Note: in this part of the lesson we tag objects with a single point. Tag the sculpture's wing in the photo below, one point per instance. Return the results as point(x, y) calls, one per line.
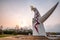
point(44, 17)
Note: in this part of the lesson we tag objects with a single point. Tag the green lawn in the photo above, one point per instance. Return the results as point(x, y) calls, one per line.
point(6, 35)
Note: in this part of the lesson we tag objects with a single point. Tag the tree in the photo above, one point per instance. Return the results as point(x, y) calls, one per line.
point(16, 29)
point(1, 29)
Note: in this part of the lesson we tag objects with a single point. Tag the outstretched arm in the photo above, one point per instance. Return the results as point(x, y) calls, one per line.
point(44, 17)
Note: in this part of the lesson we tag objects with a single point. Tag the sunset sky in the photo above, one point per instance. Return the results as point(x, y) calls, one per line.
point(18, 12)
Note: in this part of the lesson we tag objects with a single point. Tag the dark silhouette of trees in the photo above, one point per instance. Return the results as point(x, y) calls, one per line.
point(1, 32)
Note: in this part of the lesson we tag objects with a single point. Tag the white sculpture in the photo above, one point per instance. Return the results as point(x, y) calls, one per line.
point(37, 23)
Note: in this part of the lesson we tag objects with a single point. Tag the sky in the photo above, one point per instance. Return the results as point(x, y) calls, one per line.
point(18, 12)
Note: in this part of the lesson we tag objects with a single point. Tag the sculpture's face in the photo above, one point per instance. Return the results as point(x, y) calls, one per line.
point(32, 8)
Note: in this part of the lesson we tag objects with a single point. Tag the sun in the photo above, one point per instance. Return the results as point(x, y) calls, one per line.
point(23, 23)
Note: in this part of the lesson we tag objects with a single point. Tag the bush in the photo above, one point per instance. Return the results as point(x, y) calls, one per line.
point(16, 32)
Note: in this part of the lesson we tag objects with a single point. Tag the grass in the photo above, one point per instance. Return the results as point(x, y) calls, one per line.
point(6, 35)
